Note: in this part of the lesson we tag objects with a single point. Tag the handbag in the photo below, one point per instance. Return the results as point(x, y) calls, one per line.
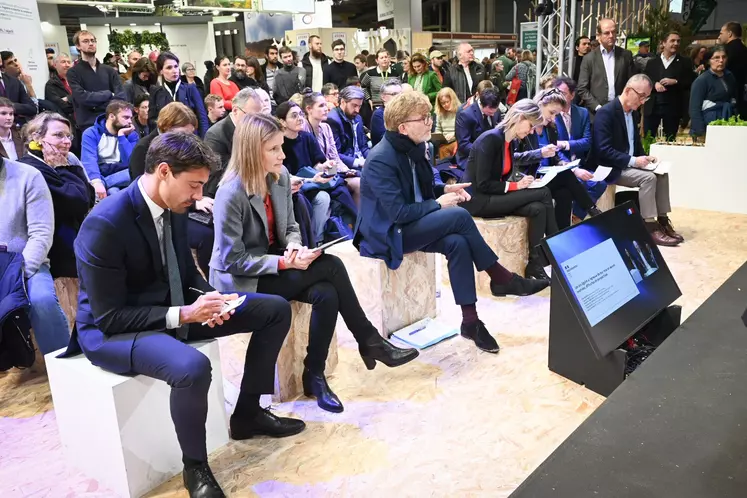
point(513, 91)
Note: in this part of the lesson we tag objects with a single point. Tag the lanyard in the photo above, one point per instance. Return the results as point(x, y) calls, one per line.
point(176, 90)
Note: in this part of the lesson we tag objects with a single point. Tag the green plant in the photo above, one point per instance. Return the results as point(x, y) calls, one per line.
point(658, 22)
point(129, 40)
point(732, 121)
point(647, 141)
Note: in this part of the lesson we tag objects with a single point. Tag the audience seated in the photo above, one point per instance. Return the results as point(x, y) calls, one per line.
point(331, 94)
point(176, 118)
point(498, 189)
point(140, 117)
point(16, 86)
point(620, 148)
point(93, 84)
point(216, 108)
point(27, 227)
point(144, 80)
point(141, 298)
point(389, 89)
point(483, 85)
point(174, 89)
point(11, 142)
point(106, 148)
point(49, 137)
point(301, 150)
point(266, 101)
point(401, 213)
point(447, 106)
point(347, 127)
point(540, 149)
point(472, 121)
point(316, 110)
point(574, 140)
point(57, 90)
point(258, 249)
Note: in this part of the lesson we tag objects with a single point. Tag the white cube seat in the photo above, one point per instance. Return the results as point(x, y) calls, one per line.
point(118, 428)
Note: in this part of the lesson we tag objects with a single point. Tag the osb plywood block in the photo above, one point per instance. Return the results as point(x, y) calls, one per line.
point(67, 294)
point(607, 201)
point(391, 299)
point(508, 238)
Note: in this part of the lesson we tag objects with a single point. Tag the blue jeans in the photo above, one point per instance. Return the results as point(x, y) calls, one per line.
point(116, 181)
point(452, 232)
point(46, 316)
point(319, 214)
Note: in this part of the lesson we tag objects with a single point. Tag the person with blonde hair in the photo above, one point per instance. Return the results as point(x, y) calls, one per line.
point(500, 190)
point(403, 211)
point(447, 106)
point(258, 249)
point(48, 139)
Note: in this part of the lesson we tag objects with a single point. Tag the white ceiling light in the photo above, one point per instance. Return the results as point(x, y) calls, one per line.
point(216, 12)
point(158, 24)
point(133, 24)
point(107, 25)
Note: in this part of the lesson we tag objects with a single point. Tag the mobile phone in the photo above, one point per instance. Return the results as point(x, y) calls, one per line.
point(328, 175)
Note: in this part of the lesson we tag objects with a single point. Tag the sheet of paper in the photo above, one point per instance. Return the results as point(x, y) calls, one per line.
point(541, 182)
point(559, 169)
point(663, 167)
point(601, 173)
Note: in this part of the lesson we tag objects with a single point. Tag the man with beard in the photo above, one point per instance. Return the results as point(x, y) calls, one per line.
point(50, 60)
point(314, 62)
point(93, 84)
point(437, 66)
point(271, 67)
point(583, 47)
point(288, 79)
point(106, 149)
point(347, 127)
point(339, 70)
point(57, 90)
point(239, 73)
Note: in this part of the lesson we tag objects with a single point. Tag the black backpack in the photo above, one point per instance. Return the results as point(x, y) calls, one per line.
point(16, 347)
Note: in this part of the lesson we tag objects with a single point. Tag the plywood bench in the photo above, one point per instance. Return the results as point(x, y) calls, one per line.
point(391, 299)
point(508, 238)
point(607, 201)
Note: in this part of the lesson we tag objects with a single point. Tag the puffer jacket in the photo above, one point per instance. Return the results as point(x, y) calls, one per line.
point(16, 348)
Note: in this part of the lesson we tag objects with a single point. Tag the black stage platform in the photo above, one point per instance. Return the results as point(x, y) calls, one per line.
point(676, 428)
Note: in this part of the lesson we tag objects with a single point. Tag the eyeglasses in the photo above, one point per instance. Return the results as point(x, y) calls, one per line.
point(425, 120)
point(642, 97)
point(62, 136)
point(294, 115)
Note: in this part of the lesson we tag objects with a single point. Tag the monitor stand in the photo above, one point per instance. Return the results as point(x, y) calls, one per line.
point(571, 355)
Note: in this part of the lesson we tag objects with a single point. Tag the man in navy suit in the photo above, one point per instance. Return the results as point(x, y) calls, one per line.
point(472, 121)
point(141, 298)
point(616, 143)
point(403, 211)
point(347, 127)
point(16, 90)
point(574, 139)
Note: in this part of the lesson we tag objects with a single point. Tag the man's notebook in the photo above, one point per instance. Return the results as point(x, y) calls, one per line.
point(425, 333)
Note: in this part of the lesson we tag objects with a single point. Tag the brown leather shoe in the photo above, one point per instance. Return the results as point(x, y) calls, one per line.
point(668, 228)
point(662, 239)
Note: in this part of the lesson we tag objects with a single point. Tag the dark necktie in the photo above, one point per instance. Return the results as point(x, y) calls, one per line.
point(486, 121)
point(175, 279)
point(2, 88)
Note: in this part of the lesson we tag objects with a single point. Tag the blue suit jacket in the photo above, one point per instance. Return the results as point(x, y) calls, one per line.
point(343, 133)
point(124, 289)
point(388, 202)
point(579, 138)
point(609, 144)
point(23, 106)
point(377, 126)
point(469, 126)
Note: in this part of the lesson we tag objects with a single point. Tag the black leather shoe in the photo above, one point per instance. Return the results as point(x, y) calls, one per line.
point(265, 423)
point(594, 211)
point(379, 349)
point(536, 272)
point(518, 286)
point(201, 483)
point(479, 334)
point(315, 386)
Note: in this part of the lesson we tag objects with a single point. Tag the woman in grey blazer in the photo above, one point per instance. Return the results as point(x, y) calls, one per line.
point(258, 249)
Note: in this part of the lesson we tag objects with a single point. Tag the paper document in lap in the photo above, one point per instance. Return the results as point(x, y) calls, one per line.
point(425, 333)
point(541, 182)
point(601, 173)
point(661, 168)
point(558, 169)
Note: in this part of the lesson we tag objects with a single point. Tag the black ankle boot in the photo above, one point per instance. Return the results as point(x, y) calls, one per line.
point(535, 266)
point(594, 211)
point(315, 386)
point(376, 348)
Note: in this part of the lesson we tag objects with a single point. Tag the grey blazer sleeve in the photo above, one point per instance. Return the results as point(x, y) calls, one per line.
point(40, 223)
point(584, 84)
point(238, 235)
point(292, 232)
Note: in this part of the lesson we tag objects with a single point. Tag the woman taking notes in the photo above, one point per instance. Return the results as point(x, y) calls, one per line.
point(257, 249)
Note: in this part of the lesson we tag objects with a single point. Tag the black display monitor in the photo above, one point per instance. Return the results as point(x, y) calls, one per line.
point(612, 274)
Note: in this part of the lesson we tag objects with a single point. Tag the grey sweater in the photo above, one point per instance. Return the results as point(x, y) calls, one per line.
point(27, 222)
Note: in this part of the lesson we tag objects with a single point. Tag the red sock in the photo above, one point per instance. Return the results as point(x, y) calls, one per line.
point(469, 314)
point(498, 274)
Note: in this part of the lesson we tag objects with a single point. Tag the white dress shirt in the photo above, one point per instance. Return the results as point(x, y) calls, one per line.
point(156, 211)
point(609, 67)
point(666, 61)
point(9, 146)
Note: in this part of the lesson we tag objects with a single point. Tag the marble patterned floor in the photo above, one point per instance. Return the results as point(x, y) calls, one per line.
point(456, 422)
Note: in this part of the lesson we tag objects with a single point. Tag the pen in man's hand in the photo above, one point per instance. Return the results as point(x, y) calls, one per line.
point(197, 290)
